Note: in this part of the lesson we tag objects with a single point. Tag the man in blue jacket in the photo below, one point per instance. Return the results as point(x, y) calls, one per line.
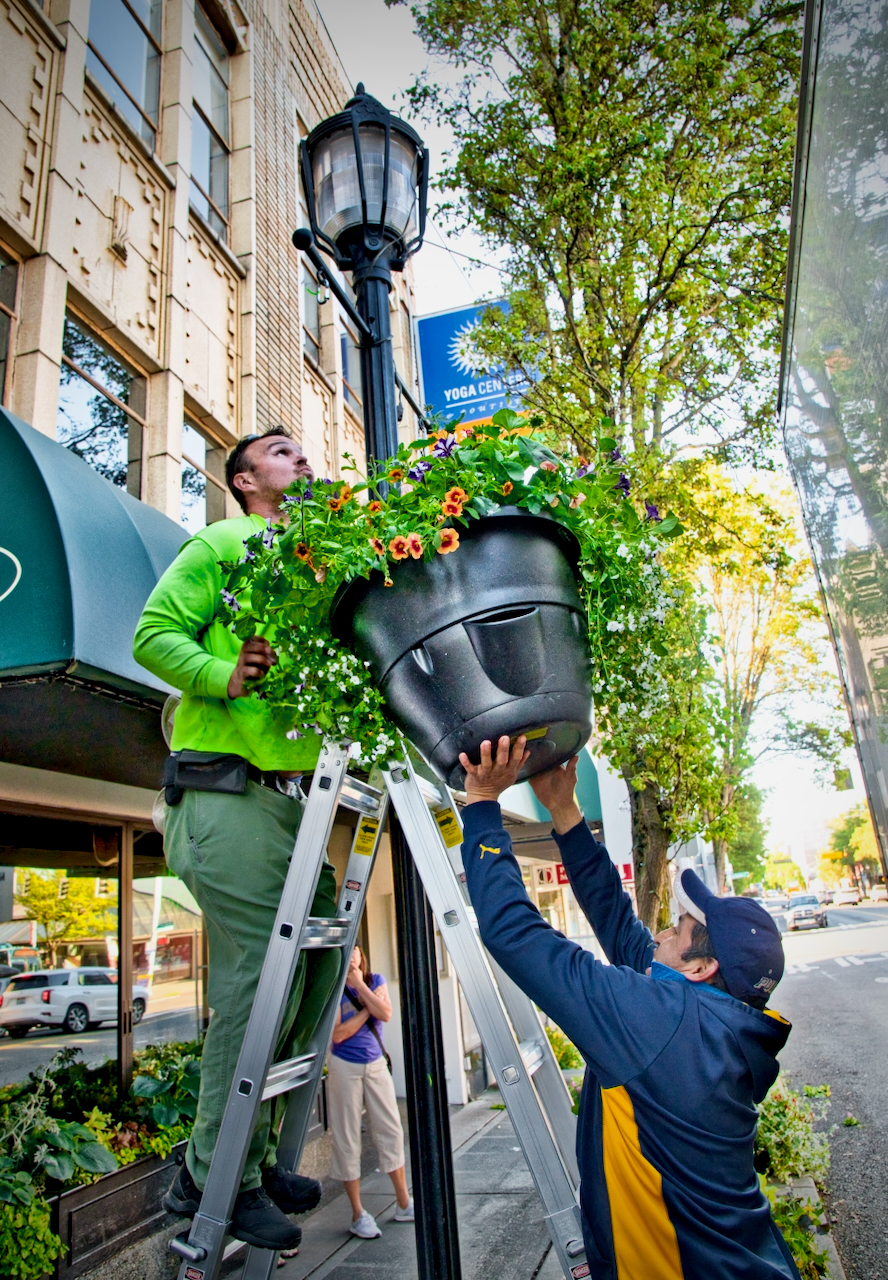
point(678, 1044)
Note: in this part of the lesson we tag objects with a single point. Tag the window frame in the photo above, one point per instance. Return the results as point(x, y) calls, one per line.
point(350, 396)
point(13, 317)
point(153, 125)
point(226, 145)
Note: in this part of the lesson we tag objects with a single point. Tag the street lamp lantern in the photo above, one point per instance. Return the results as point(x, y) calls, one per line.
point(365, 174)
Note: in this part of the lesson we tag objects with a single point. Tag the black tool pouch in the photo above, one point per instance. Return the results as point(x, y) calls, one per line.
point(202, 771)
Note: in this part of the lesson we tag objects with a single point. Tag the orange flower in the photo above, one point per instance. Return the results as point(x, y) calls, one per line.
point(399, 547)
point(576, 500)
point(396, 473)
point(462, 432)
point(335, 504)
point(582, 462)
point(388, 583)
point(303, 552)
point(346, 493)
point(373, 507)
point(414, 543)
point(452, 508)
point(448, 540)
point(377, 546)
point(508, 487)
point(456, 495)
point(548, 466)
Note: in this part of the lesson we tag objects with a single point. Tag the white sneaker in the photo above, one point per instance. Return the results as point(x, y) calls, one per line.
point(406, 1214)
point(365, 1227)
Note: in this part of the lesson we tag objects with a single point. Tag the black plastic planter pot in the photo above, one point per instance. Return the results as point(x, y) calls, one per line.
point(487, 640)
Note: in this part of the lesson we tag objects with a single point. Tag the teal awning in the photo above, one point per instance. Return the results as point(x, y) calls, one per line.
point(78, 559)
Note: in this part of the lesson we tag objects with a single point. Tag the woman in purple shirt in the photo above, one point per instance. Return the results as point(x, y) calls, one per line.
point(359, 1076)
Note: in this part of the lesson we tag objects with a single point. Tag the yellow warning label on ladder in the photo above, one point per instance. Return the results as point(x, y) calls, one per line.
point(366, 836)
point(448, 826)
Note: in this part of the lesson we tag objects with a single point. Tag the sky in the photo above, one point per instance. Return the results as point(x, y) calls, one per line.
point(379, 46)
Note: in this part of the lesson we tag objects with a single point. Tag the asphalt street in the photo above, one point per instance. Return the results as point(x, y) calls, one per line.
point(20, 1057)
point(835, 993)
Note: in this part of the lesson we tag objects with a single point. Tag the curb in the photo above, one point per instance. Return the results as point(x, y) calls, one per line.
point(805, 1189)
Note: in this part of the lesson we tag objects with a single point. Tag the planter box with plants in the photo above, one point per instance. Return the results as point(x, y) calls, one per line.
point(477, 584)
point(81, 1170)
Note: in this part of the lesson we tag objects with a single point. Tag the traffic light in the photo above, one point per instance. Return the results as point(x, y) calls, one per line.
point(64, 885)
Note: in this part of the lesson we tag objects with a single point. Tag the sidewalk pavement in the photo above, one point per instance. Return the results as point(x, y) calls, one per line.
point(501, 1225)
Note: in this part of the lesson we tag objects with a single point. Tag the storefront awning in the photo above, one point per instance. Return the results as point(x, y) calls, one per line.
point(78, 559)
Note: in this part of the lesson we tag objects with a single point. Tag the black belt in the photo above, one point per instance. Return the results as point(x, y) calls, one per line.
point(208, 771)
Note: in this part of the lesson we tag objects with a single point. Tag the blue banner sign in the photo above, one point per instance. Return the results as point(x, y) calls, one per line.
point(452, 382)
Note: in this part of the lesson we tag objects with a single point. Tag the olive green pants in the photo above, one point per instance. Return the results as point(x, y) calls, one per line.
point(232, 851)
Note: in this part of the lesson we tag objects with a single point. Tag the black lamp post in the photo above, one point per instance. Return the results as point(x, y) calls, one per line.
point(365, 174)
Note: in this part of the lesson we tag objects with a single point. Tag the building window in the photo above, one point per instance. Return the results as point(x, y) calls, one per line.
point(123, 53)
point(193, 510)
point(352, 384)
point(96, 419)
point(8, 292)
point(210, 138)
point(311, 319)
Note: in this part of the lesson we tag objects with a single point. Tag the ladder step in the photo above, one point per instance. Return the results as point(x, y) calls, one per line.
point(360, 796)
point(324, 931)
point(283, 1076)
point(532, 1055)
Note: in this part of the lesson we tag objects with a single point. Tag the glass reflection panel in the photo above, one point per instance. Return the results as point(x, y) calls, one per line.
point(836, 382)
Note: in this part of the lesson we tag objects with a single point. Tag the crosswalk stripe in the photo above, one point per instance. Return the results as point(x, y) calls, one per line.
point(843, 962)
point(856, 960)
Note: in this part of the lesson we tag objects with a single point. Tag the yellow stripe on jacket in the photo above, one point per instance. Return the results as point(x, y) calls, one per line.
point(645, 1243)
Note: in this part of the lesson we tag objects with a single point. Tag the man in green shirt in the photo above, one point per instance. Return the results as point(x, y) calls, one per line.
point(232, 850)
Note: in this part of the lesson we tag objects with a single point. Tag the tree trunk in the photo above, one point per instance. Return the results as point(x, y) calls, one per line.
point(720, 853)
point(650, 843)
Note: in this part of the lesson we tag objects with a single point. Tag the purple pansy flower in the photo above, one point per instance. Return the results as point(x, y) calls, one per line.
point(417, 473)
point(294, 735)
point(268, 536)
point(623, 484)
point(249, 553)
point(444, 448)
point(231, 600)
point(615, 455)
point(651, 511)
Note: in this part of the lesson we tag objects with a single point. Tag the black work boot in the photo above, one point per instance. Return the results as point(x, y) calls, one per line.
point(184, 1194)
point(261, 1223)
point(291, 1192)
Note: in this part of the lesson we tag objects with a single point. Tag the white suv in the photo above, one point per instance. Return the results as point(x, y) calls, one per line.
point(75, 999)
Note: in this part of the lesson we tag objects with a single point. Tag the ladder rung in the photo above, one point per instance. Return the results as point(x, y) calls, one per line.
point(290, 1074)
point(531, 1055)
point(324, 931)
point(360, 796)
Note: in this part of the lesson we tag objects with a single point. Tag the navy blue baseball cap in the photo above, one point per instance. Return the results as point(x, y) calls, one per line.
point(745, 940)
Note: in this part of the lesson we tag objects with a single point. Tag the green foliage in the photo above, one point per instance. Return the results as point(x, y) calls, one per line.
point(633, 166)
point(173, 1087)
point(786, 1144)
point(78, 914)
point(575, 1088)
point(28, 1247)
point(287, 581)
point(567, 1055)
point(796, 1224)
point(746, 848)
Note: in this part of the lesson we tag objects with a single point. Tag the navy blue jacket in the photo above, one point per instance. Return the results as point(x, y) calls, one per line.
point(674, 1070)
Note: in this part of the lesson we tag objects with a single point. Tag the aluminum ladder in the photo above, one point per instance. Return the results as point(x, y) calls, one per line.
point(515, 1043)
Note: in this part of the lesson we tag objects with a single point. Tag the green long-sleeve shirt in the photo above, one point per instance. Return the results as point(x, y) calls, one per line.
point(182, 637)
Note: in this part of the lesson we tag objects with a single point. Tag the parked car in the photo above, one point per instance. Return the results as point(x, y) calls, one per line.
point(847, 897)
point(776, 903)
point(826, 898)
point(74, 999)
point(879, 893)
point(805, 912)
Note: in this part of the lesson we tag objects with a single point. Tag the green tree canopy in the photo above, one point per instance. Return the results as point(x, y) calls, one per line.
point(634, 159)
point(66, 909)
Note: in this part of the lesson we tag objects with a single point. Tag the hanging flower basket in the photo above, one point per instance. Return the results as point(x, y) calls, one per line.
point(479, 583)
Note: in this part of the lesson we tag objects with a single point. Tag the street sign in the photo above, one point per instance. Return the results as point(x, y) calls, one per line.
point(454, 381)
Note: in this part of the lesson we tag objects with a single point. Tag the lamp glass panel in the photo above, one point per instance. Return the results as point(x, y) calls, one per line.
point(338, 191)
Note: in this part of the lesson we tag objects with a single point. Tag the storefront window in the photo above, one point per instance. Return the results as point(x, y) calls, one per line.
point(8, 291)
point(123, 53)
point(210, 139)
point(95, 419)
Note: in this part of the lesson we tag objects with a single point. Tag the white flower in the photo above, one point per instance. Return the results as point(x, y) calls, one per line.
point(623, 551)
point(614, 626)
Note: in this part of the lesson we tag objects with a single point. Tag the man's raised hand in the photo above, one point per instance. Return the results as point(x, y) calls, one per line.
point(489, 779)
point(254, 662)
point(555, 791)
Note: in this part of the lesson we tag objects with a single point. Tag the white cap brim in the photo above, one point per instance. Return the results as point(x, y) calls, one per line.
point(684, 903)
